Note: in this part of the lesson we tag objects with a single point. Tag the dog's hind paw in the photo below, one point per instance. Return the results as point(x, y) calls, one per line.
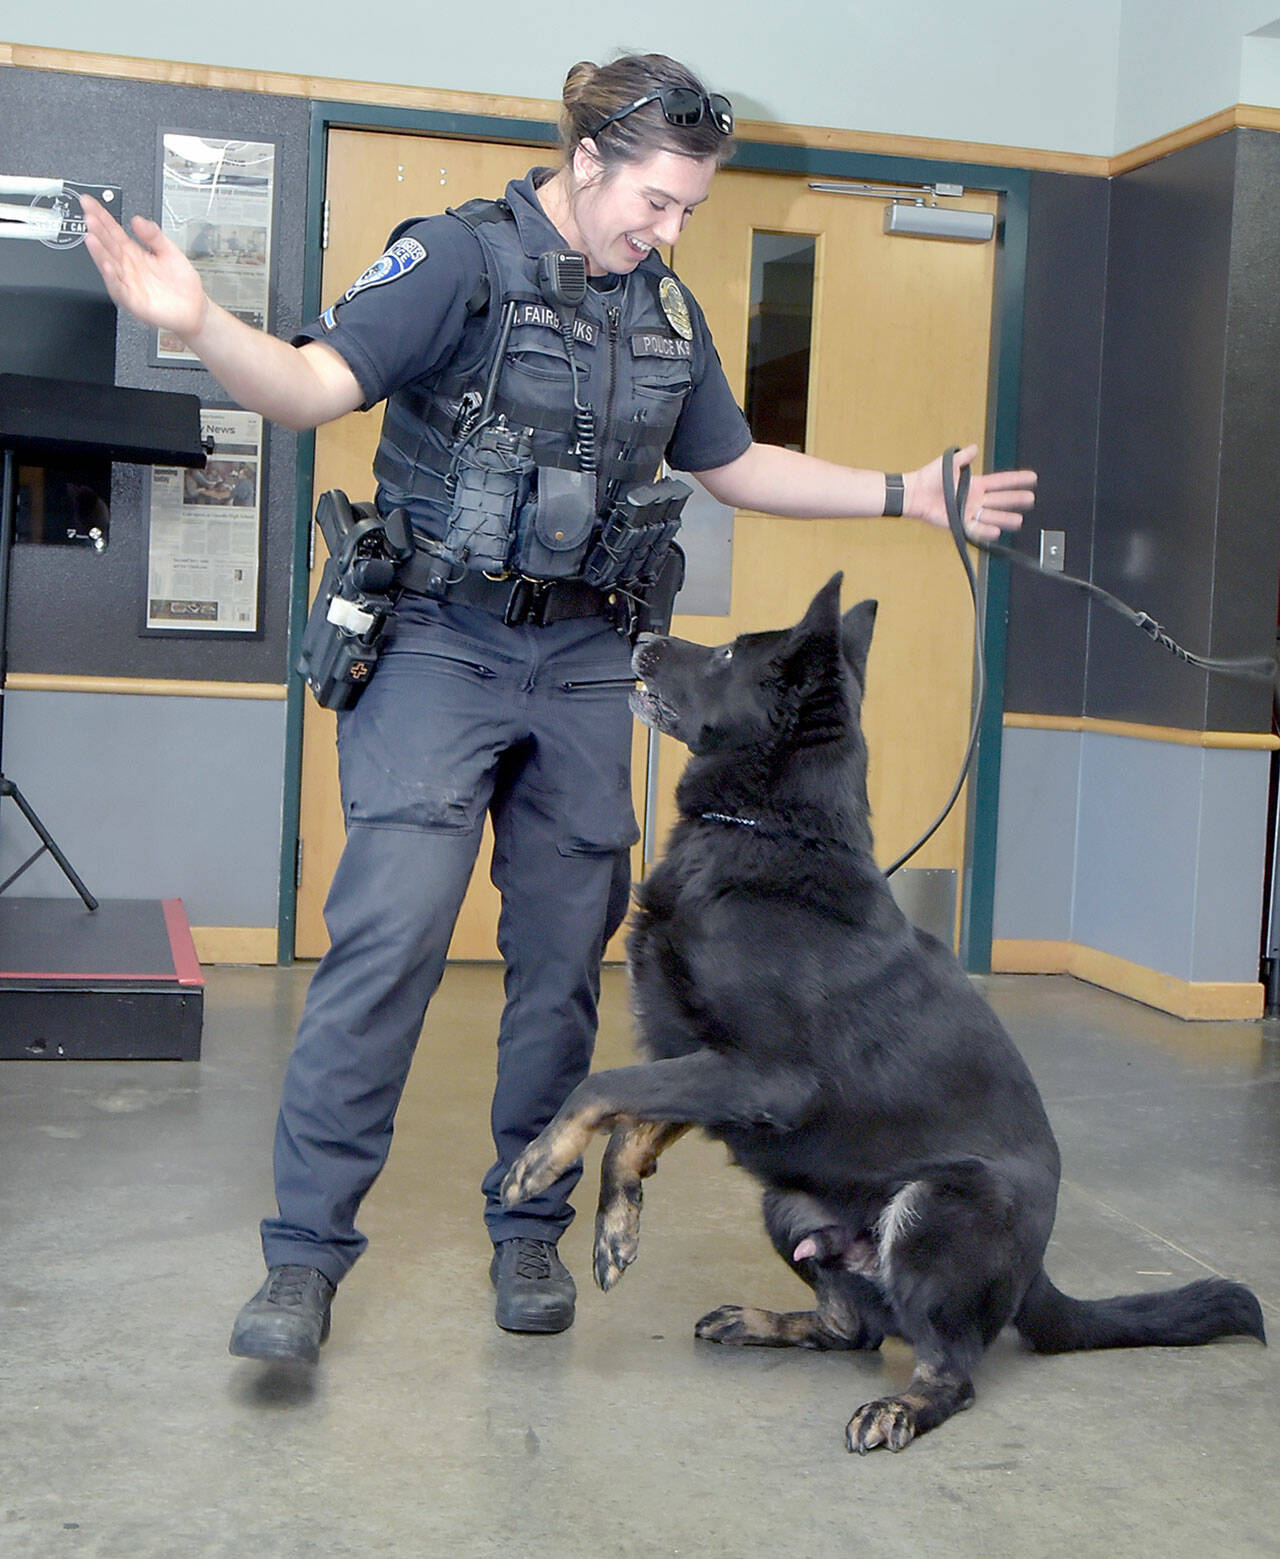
point(889, 1421)
point(726, 1324)
point(742, 1326)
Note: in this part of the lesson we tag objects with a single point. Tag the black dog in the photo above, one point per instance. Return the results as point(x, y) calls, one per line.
point(843, 1056)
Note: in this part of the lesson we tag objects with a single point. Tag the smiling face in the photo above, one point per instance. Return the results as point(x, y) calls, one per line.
point(616, 217)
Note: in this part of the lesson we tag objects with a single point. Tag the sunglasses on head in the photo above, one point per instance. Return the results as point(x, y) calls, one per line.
point(681, 106)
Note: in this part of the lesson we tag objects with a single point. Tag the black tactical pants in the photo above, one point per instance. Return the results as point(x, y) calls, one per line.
point(464, 715)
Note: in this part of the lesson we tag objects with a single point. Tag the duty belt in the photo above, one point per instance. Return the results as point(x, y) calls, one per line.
point(520, 600)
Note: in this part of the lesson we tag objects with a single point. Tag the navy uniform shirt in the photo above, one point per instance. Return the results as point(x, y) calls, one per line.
point(403, 318)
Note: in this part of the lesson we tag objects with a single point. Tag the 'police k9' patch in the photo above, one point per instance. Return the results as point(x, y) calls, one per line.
point(652, 343)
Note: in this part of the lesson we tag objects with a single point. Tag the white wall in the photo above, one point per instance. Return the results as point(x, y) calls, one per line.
point(1181, 60)
point(1097, 77)
point(1000, 71)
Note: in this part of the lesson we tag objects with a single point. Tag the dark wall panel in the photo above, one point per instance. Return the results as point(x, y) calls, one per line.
point(73, 611)
point(1058, 430)
point(1247, 559)
point(1164, 365)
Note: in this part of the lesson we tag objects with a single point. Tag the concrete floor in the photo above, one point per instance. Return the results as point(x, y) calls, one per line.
point(131, 1194)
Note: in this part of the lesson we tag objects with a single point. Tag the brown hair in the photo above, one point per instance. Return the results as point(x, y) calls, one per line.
point(594, 92)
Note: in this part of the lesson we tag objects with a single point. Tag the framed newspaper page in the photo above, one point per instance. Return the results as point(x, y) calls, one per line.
point(204, 542)
point(217, 202)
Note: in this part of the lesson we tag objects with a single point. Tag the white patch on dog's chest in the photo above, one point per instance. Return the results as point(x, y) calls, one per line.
point(900, 1214)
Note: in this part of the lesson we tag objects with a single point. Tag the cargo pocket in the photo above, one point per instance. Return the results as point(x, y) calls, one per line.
point(416, 751)
point(602, 833)
point(598, 817)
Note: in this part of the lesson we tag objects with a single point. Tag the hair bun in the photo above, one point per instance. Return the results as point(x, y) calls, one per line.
point(578, 81)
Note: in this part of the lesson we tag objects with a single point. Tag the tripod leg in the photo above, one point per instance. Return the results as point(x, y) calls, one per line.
point(8, 788)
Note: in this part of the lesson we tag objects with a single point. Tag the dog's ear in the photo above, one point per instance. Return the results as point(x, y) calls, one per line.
point(824, 610)
point(811, 663)
point(816, 637)
point(855, 634)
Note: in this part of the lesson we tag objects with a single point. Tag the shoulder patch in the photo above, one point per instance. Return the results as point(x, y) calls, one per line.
point(398, 261)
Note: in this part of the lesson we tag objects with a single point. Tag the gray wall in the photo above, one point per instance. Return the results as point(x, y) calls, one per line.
point(1067, 239)
point(150, 796)
point(1151, 409)
point(1150, 851)
point(1188, 482)
point(100, 130)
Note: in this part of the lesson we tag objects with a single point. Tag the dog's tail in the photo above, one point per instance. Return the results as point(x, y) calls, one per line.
point(1052, 1322)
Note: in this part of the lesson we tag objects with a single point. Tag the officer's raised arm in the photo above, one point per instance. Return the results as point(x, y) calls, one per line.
point(149, 276)
point(785, 481)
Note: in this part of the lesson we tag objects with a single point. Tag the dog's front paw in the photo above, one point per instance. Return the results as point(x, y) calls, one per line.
point(532, 1172)
point(617, 1235)
point(611, 1260)
point(889, 1421)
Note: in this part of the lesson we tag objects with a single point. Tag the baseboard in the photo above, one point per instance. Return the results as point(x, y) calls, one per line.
point(236, 944)
point(1202, 1000)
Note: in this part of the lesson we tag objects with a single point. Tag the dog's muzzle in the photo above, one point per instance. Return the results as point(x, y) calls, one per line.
point(652, 710)
point(645, 656)
point(648, 706)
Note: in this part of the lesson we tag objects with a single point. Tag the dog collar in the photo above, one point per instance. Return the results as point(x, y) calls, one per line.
point(811, 841)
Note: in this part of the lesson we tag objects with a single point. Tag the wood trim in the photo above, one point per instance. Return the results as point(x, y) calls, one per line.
point(1022, 955)
point(275, 83)
point(393, 95)
point(886, 144)
point(1194, 1000)
point(235, 944)
point(1234, 741)
point(161, 687)
point(1241, 116)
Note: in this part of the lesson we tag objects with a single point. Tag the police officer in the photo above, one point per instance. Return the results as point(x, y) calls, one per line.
point(524, 410)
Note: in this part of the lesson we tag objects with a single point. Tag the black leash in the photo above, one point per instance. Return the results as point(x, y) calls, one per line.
point(955, 495)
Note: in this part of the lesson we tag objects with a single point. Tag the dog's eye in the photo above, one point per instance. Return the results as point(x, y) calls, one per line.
point(725, 653)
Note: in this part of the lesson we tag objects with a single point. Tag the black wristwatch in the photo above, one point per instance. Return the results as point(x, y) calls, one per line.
point(894, 492)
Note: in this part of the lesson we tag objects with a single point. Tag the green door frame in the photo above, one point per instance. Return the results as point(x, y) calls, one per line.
point(1011, 185)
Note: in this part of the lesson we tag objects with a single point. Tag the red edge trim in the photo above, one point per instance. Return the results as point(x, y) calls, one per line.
point(181, 947)
point(65, 976)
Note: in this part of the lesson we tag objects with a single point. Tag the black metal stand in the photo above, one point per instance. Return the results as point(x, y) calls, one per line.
point(48, 845)
point(1271, 920)
point(42, 416)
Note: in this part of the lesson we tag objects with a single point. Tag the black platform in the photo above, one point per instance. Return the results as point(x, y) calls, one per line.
point(119, 983)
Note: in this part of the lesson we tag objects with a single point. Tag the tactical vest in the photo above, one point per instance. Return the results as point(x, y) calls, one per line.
point(634, 372)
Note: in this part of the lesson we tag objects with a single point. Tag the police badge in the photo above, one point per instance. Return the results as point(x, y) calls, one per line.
point(675, 308)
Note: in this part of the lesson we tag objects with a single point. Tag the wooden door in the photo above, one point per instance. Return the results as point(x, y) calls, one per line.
point(898, 370)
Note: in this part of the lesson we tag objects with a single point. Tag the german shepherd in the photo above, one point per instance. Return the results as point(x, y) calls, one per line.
point(790, 1009)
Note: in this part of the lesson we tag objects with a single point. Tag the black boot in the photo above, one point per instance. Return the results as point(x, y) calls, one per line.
point(288, 1318)
point(535, 1291)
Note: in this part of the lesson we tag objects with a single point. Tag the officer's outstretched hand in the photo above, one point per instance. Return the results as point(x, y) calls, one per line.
point(147, 274)
point(996, 503)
